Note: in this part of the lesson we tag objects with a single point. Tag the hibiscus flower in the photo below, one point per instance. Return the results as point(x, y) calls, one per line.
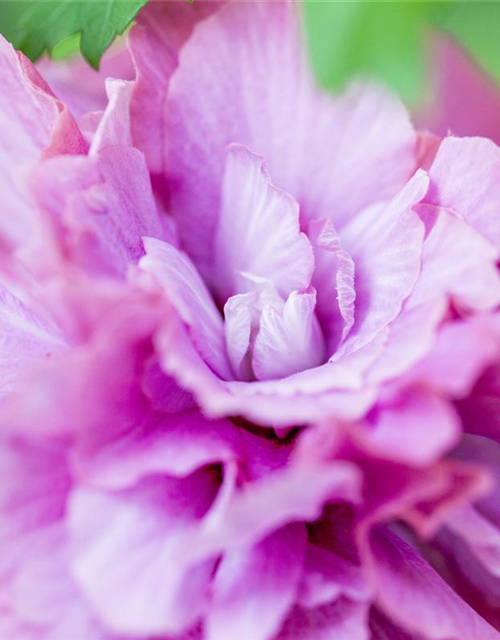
point(247, 327)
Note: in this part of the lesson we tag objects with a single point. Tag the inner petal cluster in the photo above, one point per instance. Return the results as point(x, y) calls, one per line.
point(261, 279)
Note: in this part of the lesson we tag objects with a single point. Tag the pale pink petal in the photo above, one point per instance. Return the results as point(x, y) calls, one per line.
point(238, 329)
point(465, 97)
point(31, 119)
point(154, 42)
point(385, 242)
point(25, 339)
point(288, 341)
point(411, 336)
point(114, 126)
point(95, 210)
point(456, 262)
point(176, 274)
point(258, 230)
point(462, 350)
point(177, 445)
point(79, 85)
point(124, 549)
point(464, 178)
point(255, 587)
point(333, 279)
point(360, 148)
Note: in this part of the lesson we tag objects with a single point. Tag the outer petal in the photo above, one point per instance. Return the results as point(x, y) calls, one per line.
point(96, 211)
point(456, 262)
point(31, 119)
point(258, 230)
point(25, 339)
point(154, 42)
point(255, 587)
point(407, 586)
point(334, 157)
point(464, 178)
point(115, 536)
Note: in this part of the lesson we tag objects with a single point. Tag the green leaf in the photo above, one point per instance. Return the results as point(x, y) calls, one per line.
point(39, 25)
point(374, 39)
point(476, 25)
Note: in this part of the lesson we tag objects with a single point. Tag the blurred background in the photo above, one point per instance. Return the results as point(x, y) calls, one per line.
point(442, 57)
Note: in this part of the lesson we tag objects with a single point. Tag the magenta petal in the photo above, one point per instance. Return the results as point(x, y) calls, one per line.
point(342, 620)
point(255, 587)
point(408, 586)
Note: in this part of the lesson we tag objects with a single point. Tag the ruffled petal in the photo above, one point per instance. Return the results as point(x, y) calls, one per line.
point(183, 286)
point(258, 230)
point(255, 587)
point(359, 150)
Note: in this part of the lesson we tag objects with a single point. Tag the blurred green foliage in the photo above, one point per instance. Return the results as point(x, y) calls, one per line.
point(387, 40)
point(39, 25)
point(381, 39)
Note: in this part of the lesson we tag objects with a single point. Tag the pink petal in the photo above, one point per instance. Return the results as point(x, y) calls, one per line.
point(360, 149)
point(328, 576)
point(385, 243)
point(31, 119)
point(342, 620)
point(417, 427)
point(464, 178)
point(114, 126)
point(26, 339)
point(289, 341)
point(334, 282)
point(255, 587)
point(408, 586)
point(457, 262)
point(258, 230)
point(154, 42)
point(178, 445)
point(116, 535)
point(177, 275)
point(95, 210)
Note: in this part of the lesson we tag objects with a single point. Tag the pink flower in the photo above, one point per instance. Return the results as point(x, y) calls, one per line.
point(249, 331)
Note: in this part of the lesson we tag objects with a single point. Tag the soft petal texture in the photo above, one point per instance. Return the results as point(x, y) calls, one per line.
point(457, 261)
point(141, 530)
point(25, 339)
point(289, 341)
point(273, 101)
point(342, 620)
point(385, 242)
point(258, 230)
point(466, 186)
point(31, 119)
point(254, 609)
point(177, 275)
point(97, 210)
point(334, 276)
point(408, 586)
